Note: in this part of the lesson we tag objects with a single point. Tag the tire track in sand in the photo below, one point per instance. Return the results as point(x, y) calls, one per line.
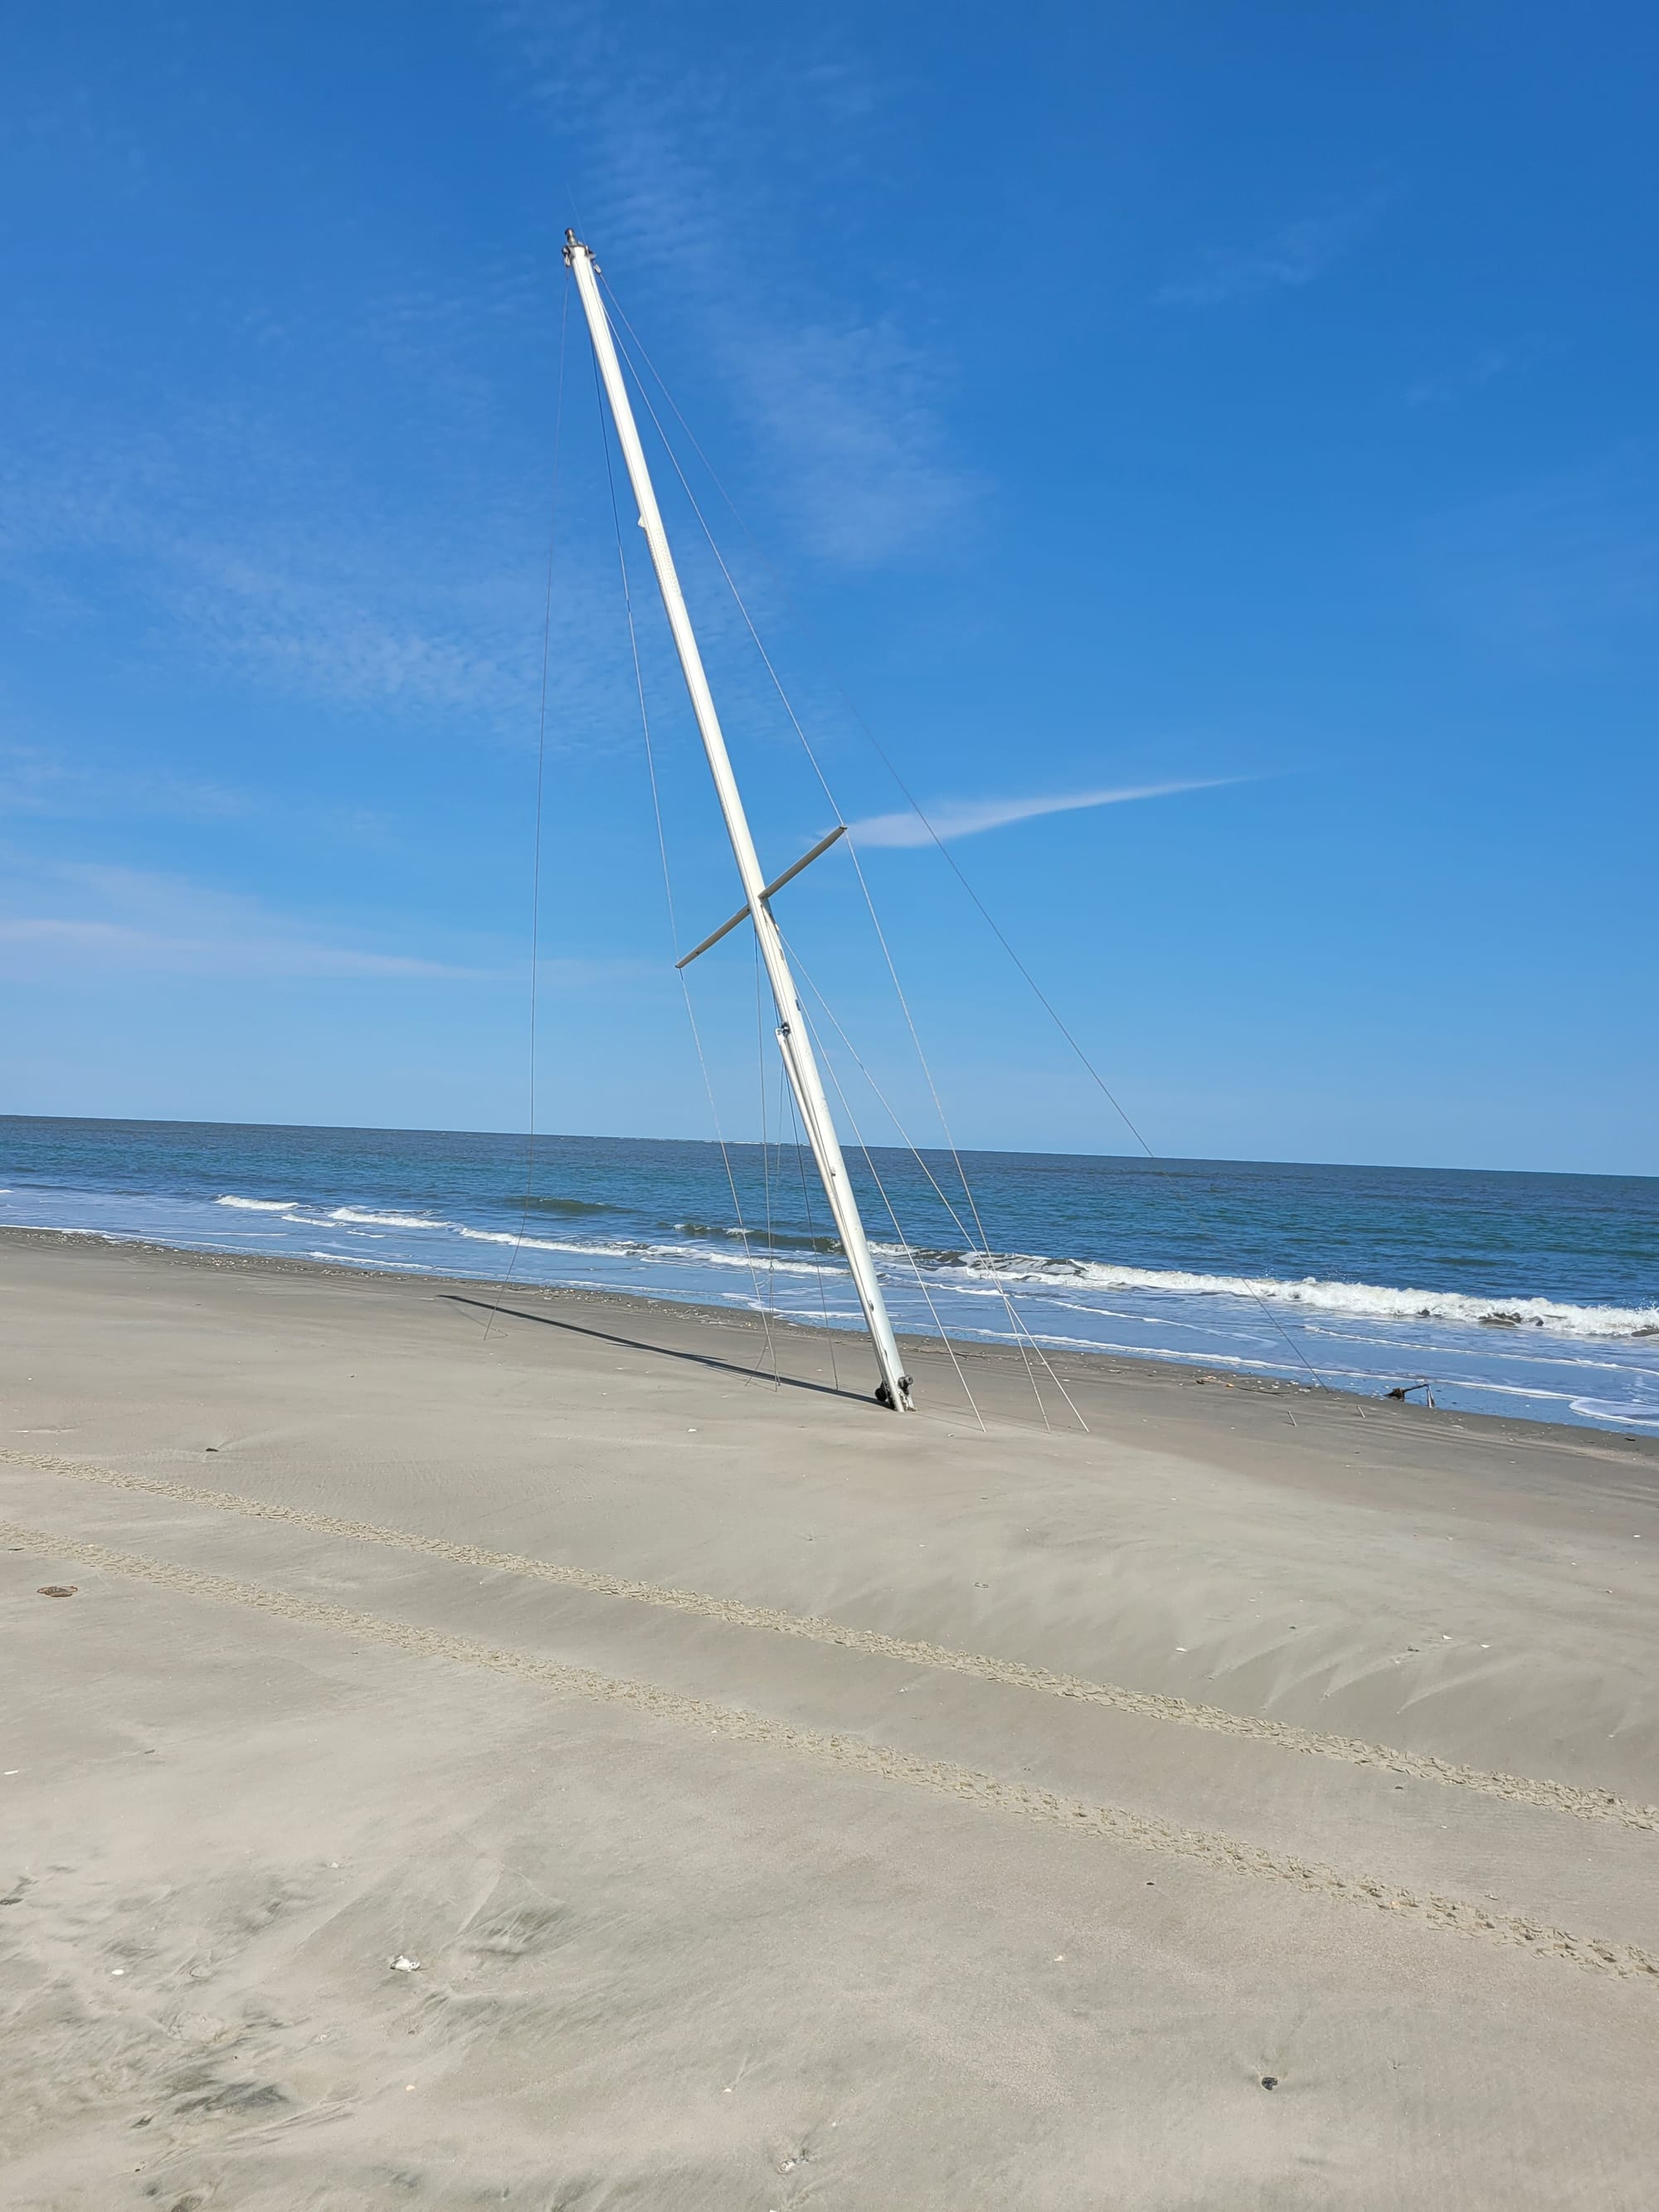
point(1349, 1751)
point(856, 1754)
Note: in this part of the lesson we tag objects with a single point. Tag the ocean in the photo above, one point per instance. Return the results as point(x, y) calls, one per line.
point(1534, 1295)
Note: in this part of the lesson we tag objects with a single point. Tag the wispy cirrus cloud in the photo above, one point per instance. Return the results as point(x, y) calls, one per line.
point(300, 591)
point(36, 780)
point(1489, 363)
point(1562, 573)
point(1294, 256)
point(968, 817)
point(278, 583)
point(851, 410)
point(708, 184)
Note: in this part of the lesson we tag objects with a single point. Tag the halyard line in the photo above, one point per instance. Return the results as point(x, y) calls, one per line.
point(1107, 1823)
point(1351, 1751)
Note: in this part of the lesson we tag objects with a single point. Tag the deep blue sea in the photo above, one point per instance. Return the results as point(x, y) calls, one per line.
point(1520, 1294)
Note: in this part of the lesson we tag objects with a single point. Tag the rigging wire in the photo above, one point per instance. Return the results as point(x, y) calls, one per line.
point(1046, 1003)
point(950, 1143)
point(787, 1093)
point(502, 1287)
point(667, 881)
point(777, 1163)
point(1022, 1333)
point(904, 1243)
point(766, 1158)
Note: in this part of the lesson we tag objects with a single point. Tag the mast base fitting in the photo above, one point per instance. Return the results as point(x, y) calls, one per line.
point(884, 1396)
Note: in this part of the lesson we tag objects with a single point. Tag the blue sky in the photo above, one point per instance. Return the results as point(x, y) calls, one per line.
point(1253, 405)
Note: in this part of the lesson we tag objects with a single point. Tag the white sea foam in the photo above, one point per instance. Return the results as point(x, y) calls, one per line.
point(1376, 1300)
point(544, 1243)
point(589, 1249)
point(974, 1274)
point(1500, 1348)
point(755, 1262)
point(384, 1220)
point(1644, 1411)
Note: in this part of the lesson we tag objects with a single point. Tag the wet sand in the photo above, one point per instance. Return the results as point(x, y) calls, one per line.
point(776, 1802)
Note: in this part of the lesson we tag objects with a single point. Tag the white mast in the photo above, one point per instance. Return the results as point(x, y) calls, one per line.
point(791, 1032)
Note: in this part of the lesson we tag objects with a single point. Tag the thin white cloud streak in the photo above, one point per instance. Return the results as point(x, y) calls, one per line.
point(34, 780)
point(89, 923)
point(52, 942)
point(108, 945)
point(94, 921)
point(968, 817)
point(1293, 256)
point(1562, 573)
point(1456, 384)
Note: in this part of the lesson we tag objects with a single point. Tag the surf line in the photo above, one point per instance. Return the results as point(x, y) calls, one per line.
point(856, 1754)
point(1349, 1751)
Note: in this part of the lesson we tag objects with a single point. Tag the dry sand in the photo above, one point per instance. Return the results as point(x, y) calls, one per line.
point(787, 1804)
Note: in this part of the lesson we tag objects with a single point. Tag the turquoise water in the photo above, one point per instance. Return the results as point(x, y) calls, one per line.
point(1523, 1294)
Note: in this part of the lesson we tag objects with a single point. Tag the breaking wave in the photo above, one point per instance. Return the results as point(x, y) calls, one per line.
point(301, 1213)
point(1376, 1300)
point(1314, 1269)
point(384, 1220)
point(788, 1251)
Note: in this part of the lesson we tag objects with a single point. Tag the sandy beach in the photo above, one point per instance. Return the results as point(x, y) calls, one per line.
point(539, 1758)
